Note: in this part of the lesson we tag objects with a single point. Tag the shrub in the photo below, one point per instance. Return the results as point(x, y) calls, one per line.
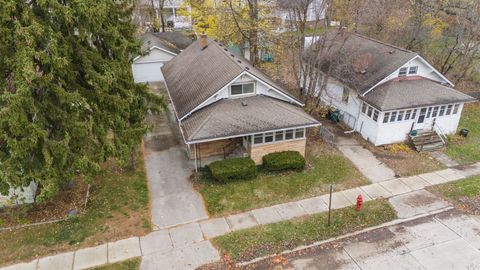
point(233, 169)
point(286, 160)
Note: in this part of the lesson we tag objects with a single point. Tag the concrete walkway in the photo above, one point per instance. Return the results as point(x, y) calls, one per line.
point(444, 159)
point(372, 168)
point(187, 246)
point(174, 201)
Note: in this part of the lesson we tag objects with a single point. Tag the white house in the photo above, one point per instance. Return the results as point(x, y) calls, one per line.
point(157, 49)
point(173, 18)
point(384, 92)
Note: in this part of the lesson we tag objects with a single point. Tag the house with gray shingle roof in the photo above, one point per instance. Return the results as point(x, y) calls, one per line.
point(386, 93)
point(223, 104)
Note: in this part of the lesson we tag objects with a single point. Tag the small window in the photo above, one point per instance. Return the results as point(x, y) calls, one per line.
point(269, 137)
point(413, 70)
point(455, 109)
point(299, 133)
point(241, 89)
point(414, 114)
point(421, 117)
point(370, 110)
point(279, 136)
point(403, 72)
point(393, 117)
point(407, 114)
point(400, 116)
point(258, 138)
point(449, 109)
point(364, 108)
point(345, 95)
point(375, 115)
point(442, 111)
point(385, 118)
point(429, 113)
point(435, 111)
point(288, 134)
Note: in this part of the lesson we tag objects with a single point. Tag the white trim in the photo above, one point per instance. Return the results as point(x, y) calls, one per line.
point(435, 70)
point(275, 89)
point(179, 122)
point(250, 134)
point(150, 49)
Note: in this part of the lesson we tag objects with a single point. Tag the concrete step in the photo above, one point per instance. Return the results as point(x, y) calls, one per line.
point(431, 147)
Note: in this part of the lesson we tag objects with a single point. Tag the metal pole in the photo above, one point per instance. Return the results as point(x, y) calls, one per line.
point(330, 205)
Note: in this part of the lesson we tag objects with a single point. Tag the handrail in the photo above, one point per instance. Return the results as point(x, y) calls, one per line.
point(225, 147)
point(441, 134)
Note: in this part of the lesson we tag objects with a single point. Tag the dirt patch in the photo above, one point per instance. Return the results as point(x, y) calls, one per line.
point(161, 142)
point(469, 205)
point(420, 200)
point(71, 197)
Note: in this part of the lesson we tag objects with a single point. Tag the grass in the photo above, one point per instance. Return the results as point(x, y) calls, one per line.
point(467, 150)
point(325, 166)
point(273, 238)
point(117, 208)
point(468, 188)
point(132, 264)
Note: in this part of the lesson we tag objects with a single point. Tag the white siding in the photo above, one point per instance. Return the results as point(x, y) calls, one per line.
point(155, 55)
point(333, 97)
point(147, 68)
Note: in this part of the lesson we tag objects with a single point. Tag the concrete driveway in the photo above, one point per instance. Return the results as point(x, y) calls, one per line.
point(174, 201)
point(450, 240)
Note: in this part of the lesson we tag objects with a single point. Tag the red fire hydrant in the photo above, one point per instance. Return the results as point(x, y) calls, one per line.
point(359, 202)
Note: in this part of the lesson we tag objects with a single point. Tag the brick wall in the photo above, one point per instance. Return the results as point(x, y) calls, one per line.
point(213, 148)
point(258, 151)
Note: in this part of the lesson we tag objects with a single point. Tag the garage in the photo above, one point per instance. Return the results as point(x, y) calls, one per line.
point(147, 72)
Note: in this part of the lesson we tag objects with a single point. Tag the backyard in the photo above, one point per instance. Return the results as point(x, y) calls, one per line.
point(117, 209)
point(467, 150)
point(325, 165)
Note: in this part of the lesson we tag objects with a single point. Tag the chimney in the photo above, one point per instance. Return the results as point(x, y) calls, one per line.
point(203, 41)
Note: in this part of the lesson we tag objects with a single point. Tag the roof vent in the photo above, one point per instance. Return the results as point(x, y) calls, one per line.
point(363, 71)
point(247, 68)
point(225, 49)
point(391, 52)
point(239, 61)
point(232, 55)
point(149, 42)
point(244, 104)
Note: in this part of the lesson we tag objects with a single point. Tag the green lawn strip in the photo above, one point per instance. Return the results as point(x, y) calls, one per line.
point(467, 150)
point(117, 208)
point(133, 264)
point(273, 238)
point(273, 188)
point(469, 188)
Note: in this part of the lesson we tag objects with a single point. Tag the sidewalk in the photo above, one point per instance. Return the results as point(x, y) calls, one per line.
point(187, 246)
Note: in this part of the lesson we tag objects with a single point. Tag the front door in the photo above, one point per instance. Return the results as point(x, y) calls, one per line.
point(424, 120)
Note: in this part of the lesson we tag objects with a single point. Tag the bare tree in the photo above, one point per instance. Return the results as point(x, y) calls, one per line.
point(158, 12)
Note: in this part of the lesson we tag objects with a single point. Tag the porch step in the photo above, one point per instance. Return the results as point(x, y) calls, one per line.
point(427, 141)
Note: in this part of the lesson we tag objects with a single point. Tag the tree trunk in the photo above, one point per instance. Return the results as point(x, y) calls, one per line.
point(253, 35)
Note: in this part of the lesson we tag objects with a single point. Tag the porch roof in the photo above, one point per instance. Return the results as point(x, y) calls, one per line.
point(242, 116)
point(411, 93)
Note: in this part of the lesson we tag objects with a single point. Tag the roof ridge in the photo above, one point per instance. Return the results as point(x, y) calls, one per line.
point(283, 105)
point(215, 108)
point(228, 54)
point(381, 42)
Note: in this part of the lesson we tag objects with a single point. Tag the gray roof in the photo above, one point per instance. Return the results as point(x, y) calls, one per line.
point(178, 39)
point(195, 74)
point(149, 40)
point(413, 92)
point(230, 117)
point(361, 62)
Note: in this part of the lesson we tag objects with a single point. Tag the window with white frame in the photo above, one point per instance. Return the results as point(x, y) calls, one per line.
point(426, 112)
point(413, 70)
point(370, 112)
point(242, 89)
point(277, 136)
point(402, 72)
point(386, 117)
point(455, 108)
point(449, 109)
point(345, 95)
point(442, 110)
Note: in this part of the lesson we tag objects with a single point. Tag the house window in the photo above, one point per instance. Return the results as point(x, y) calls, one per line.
point(455, 109)
point(414, 114)
point(242, 89)
point(429, 112)
point(407, 114)
point(258, 138)
point(299, 133)
point(364, 108)
point(442, 111)
point(393, 117)
point(385, 118)
point(288, 134)
point(413, 70)
point(449, 109)
point(403, 72)
point(370, 110)
point(421, 117)
point(435, 111)
point(268, 137)
point(345, 95)
point(400, 116)
point(375, 115)
point(279, 136)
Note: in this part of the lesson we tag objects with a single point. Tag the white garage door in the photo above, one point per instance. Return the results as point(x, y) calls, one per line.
point(147, 72)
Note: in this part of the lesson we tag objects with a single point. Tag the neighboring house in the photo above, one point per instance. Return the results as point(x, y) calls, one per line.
point(224, 105)
point(384, 92)
point(171, 14)
point(316, 12)
point(158, 49)
point(19, 196)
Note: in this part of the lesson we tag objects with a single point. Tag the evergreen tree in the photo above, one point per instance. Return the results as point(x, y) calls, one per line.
point(67, 97)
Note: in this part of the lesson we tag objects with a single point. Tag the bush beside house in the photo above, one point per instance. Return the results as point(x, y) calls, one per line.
point(233, 169)
point(286, 160)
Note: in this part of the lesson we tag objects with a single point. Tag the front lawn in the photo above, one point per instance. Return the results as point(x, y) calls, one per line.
point(273, 238)
point(324, 166)
point(465, 194)
point(467, 150)
point(117, 209)
point(133, 264)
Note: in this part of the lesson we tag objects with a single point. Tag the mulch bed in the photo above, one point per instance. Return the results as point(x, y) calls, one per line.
point(469, 205)
point(71, 196)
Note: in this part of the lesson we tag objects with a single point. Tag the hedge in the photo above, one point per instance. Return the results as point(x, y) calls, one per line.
point(286, 160)
point(233, 169)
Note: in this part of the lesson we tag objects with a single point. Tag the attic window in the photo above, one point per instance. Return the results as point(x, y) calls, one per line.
point(242, 89)
point(403, 72)
point(413, 70)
